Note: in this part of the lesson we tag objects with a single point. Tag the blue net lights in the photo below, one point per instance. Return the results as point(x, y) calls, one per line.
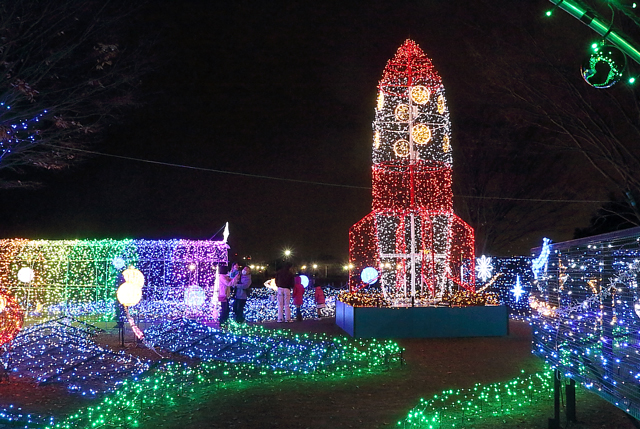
point(584, 315)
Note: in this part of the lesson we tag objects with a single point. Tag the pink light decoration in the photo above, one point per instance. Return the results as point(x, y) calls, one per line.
point(421, 248)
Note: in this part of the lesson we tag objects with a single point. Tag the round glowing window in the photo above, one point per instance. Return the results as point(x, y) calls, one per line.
point(401, 148)
point(420, 94)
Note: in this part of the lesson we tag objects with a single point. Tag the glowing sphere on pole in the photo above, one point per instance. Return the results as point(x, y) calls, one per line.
point(129, 294)
point(369, 275)
point(133, 276)
point(304, 280)
point(25, 275)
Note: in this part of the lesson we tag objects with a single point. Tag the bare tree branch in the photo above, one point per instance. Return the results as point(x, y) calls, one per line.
point(67, 69)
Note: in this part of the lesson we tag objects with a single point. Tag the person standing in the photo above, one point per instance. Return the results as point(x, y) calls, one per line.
point(320, 301)
point(244, 282)
point(298, 295)
point(284, 282)
point(224, 295)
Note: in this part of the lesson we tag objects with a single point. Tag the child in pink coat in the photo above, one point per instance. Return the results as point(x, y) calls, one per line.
point(320, 302)
point(298, 293)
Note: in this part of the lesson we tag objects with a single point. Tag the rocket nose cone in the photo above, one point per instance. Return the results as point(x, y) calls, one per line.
point(409, 67)
point(412, 120)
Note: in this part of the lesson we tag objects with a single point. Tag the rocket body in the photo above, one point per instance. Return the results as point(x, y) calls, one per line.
point(412, 236)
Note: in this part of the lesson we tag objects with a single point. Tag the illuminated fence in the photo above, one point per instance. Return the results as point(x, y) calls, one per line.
point(585, 313)
point(80, 277)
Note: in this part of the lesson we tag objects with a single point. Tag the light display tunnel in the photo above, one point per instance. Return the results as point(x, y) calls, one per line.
point(80, 277)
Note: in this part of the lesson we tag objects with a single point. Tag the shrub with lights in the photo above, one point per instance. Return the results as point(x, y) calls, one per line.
point(420, 250)
point(62, 351)
point(481, 403)
point(585, 304)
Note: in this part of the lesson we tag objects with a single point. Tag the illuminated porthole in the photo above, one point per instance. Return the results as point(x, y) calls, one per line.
point(420, 94)
point(401, 148)
point(441, 104)
point(446, 146)
point(402, 112)
point(421, 134)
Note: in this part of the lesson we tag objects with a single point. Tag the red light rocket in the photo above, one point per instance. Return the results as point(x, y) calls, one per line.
point(412, 237)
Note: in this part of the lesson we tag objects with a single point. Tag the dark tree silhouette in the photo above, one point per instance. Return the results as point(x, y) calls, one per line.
point(612, 216)
point(67, 70)
point(543, 82)
point(565, 140)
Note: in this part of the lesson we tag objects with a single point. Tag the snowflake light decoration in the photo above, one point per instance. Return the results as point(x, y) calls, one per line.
point(484, 268)
point(517, 290)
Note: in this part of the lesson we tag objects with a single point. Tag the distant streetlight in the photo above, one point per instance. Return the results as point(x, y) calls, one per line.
point(287, 253)
point(315, 266)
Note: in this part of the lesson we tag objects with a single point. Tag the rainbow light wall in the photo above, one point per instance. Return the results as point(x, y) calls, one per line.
point(79, 277)
point(418, 246)
point(585, 305)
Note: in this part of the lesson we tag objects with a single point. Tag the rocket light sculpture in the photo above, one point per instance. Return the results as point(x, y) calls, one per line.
point(412, 237)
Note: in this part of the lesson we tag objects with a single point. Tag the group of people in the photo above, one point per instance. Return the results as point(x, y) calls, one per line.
point(234, 285)
point(290, 285)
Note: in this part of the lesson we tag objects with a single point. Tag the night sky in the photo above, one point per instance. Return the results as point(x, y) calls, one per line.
point(275, 90)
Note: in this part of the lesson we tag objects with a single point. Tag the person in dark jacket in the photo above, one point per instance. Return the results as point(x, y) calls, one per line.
point(241, 294)
point(285, 282)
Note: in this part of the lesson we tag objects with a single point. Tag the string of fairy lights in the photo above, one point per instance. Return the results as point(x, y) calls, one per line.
point(244, 353)
point(11, 316)
point(16, 132)
point(466, 407)
point(500, 281)
point(419, 247)
point(61, 351)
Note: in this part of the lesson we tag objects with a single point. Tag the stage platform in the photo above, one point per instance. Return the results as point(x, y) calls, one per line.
point(422, 322)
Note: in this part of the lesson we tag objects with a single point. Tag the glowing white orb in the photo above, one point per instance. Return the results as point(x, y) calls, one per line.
point(25, 275)
point(194, 296)
point(118, 263)
point(369, 275)
point(304, 280)
point(271, 284)
point(129, 294)
point(133, 276)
